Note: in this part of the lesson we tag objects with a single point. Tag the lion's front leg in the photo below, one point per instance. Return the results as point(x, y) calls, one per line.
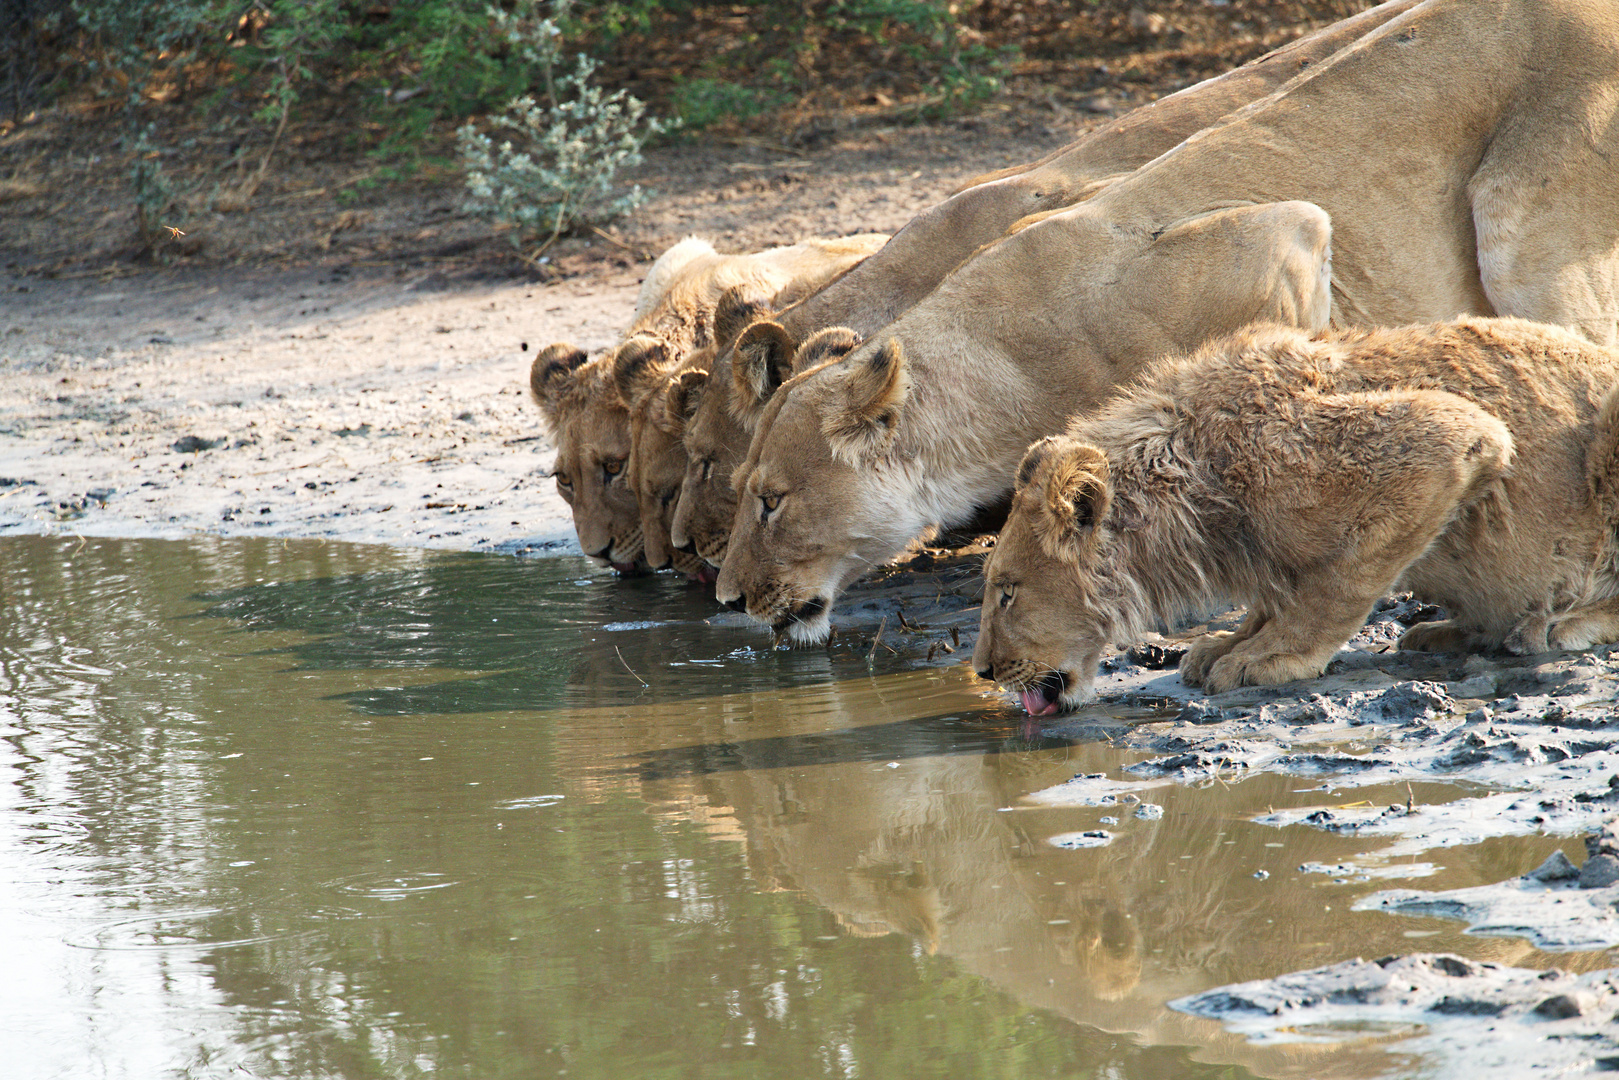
point(1530, 636)
point(1202, 653)
point(1298, 643)
point(1269, 669)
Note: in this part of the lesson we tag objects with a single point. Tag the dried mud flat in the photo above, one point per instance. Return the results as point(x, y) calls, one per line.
point(383, 401)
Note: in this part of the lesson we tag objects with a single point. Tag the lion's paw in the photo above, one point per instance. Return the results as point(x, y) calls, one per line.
point(1443, 636)
point(1203, 653)
point(1230, 672)
point(1580, 632)
point(1528, 637)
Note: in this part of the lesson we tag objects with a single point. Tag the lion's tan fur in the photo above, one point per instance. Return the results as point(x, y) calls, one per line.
point(879, 289)
point(1437, 127)
point(719, 413)
point(587, 406)
point(1469, 462)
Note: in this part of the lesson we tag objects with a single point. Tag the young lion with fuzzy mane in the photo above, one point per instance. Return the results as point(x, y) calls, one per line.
point(1472, 463)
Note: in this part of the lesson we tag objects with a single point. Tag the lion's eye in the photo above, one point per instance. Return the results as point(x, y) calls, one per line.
point(669, 496)
point(770, 503)
point(562, 481)
point(612, 467)
point(1007, 591)
point(707, 469)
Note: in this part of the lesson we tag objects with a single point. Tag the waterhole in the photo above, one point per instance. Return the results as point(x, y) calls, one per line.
point(298, 810)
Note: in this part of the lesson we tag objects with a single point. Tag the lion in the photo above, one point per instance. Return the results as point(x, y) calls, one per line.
point(584, 401)
point(1453, 161)
point(873, 293)
point(715, 414)
point(657, 461)
point(1472, 463)
point(880, 289)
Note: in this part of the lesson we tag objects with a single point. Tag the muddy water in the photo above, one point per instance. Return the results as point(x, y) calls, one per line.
point(290, 810)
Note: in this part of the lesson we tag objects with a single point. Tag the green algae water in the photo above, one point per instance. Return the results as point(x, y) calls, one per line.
point(295, 810)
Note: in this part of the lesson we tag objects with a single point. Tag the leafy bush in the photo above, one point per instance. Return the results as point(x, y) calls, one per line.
point(559, 171)
point(552, 78)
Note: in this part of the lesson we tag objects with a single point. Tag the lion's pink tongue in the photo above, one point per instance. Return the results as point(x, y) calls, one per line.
point(707, 574)
point(1035, 703)
point(623, 567)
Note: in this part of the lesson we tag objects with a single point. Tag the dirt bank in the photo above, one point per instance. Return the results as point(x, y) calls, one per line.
point(383, 399)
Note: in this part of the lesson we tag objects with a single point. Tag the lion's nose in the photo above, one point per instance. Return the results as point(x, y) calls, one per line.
point(739, 604)
point(985, 672)
point(689, 547)
point(606, 550)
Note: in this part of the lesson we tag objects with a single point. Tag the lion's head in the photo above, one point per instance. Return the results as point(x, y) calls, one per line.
point(659, 417)
point(656, 465)
point(1052, 589)
point(720, 413)
point(587, 405)
point(810, 494)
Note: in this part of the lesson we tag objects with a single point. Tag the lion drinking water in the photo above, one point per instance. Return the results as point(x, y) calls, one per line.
point(1459, 159)
point(1473, 463)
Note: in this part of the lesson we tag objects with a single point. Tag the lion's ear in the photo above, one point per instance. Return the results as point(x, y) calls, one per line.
point(680, 400)
point(635, 366)
point(859, 423)
point(1032, 457)
point(1077, 492)
point(550, 376)
point(761, 361)
point(739, 307)
point(833, 343)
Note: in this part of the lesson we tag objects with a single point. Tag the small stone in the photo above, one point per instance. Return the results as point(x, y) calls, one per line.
point(1454, 966)
point(192, 444)
point(1149, 811)
point(1474, 686)
point(1261, 875)
point(1155, 657)
point(1599, 872)
point(1604, 841)
point(1200, 712)
point(1565, 1006)
point(1415, 701)
point(1555, 868)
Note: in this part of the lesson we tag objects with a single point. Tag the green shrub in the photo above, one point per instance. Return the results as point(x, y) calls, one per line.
point(556, 171)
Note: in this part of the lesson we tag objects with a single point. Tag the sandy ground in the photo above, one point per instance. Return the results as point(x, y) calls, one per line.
point(313, 403)
point(383, 399)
